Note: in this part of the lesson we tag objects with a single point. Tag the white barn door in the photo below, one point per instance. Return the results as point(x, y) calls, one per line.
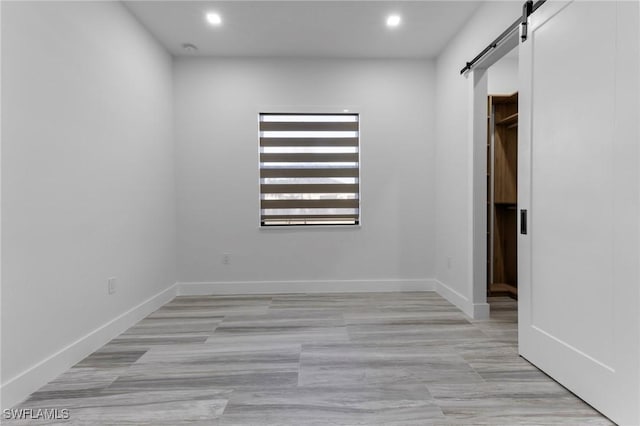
point(579, 280)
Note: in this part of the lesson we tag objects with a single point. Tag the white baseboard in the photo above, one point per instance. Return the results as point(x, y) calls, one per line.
point(21, 386)
point(472, 310)
point(319, 286)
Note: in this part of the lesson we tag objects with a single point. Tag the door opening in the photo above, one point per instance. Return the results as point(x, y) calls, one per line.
point(502, 188)
point(495, 159)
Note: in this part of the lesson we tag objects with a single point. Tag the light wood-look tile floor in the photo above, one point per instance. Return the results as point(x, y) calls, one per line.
point(328, 359)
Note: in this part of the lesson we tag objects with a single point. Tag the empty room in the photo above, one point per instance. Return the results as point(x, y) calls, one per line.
point(320, 212)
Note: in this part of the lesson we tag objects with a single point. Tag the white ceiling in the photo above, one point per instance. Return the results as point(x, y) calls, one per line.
point(354, 29)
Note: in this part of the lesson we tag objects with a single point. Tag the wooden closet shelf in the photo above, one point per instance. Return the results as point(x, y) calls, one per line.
point(512, 119)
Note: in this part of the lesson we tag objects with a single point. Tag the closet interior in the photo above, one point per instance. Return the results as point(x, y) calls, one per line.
point(502, 195)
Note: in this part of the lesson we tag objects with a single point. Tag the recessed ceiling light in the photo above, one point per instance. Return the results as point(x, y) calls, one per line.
point(393, 20)
point(214, 18)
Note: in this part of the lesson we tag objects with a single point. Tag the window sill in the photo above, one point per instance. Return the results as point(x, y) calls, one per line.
point(308, 227)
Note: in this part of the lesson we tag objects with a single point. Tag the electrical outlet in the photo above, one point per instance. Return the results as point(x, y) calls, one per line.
point(226, 259)
point(111, 285)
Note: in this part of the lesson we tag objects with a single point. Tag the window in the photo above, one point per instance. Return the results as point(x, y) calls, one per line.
point(309, 169)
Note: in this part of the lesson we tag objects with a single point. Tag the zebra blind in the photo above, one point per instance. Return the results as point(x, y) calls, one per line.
point(309, 169)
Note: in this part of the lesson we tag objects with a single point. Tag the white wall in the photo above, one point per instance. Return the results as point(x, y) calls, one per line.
point(453, 257)
point(217, 105)
point(87, 179)
point(502, 77)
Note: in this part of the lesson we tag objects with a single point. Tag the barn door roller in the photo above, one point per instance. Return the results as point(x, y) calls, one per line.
point(527, 9)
